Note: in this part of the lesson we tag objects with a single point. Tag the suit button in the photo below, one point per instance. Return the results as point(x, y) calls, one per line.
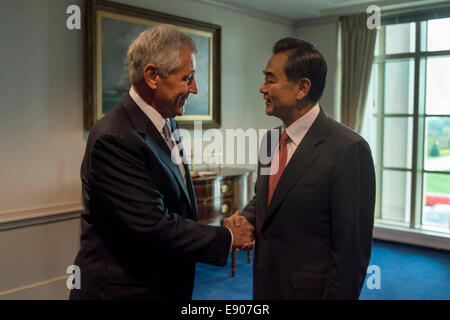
point(264, 236)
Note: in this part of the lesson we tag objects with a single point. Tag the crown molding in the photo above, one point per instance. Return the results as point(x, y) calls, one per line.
point(264, 15)
point(328, 16)
point(316, 21)
point(250, 12)
point(386, 6)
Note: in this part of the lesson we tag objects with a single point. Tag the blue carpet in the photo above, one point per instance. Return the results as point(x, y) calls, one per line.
point(409, 273)
point(406, 273)
point(216, 283)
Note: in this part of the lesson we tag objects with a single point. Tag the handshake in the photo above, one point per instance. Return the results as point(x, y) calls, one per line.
point(242, 231)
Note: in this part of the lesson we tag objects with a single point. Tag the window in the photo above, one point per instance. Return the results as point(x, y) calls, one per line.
point(407, 124)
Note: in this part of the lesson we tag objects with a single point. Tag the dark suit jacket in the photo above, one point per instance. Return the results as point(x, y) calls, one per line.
point(314, 239)
point(139, 237)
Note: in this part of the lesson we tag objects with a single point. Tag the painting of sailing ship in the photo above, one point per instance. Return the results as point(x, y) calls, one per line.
point(114, 26)
point(116, 37)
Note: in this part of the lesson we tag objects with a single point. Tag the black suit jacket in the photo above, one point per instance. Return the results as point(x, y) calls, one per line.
point(314, 239)
point(140, 238)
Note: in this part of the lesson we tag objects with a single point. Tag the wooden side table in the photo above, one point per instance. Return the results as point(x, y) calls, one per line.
point(220, 195)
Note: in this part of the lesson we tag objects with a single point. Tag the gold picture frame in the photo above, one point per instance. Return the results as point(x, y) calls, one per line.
point(110, 28)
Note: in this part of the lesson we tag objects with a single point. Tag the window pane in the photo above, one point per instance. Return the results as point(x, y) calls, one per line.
point(437, 148)
point(399, 86)
point(397, 146)
point(436, 209)
point(438, 86)
point(438, 38)
point(369, 125)
point(372, 92)
point(400, 38)
point(396, 196)
point(369, 132)
point(377, 44)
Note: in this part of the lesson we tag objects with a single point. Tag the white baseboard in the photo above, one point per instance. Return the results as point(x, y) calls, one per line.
point(52, 289)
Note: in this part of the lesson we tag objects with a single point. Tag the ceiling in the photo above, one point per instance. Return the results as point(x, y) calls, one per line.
point(293, 11)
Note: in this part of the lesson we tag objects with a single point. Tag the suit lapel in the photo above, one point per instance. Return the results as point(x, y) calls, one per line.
point(162, 151)
point(156, 143)
point(189, 183)
point(302, 159)
point(190, 187)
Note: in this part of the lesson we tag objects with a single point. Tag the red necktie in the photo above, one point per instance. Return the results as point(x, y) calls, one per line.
point(282, 158)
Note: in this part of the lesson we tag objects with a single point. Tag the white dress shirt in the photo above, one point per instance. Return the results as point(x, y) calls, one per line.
point(159, 122)
point(296, 132)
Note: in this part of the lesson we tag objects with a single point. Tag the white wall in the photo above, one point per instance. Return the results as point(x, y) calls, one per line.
point(325, 37)
point(41, 125)
point(41, 91)
point(34, 260)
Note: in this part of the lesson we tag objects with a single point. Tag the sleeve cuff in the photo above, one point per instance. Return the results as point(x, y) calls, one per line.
point(232, 240)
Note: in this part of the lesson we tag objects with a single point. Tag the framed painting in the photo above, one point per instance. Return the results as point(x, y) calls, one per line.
point(111, 27)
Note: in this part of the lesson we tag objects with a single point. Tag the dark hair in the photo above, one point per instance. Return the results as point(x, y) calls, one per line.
point(304, 61)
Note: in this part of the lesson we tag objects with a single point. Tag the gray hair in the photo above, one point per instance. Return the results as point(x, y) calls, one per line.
point(161, 45)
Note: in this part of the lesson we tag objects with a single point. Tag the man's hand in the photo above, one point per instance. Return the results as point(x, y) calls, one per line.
point(242, 231)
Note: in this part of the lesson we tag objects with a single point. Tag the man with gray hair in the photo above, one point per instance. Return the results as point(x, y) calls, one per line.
point(140, 238)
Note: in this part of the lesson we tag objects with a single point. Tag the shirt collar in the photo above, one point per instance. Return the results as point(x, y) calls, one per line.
point(298, 129)
point(154, 116)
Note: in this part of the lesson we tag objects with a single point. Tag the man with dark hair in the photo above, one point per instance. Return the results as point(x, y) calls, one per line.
point(314, 202)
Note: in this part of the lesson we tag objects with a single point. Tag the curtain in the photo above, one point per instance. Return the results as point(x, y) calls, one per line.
point(358, 44)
